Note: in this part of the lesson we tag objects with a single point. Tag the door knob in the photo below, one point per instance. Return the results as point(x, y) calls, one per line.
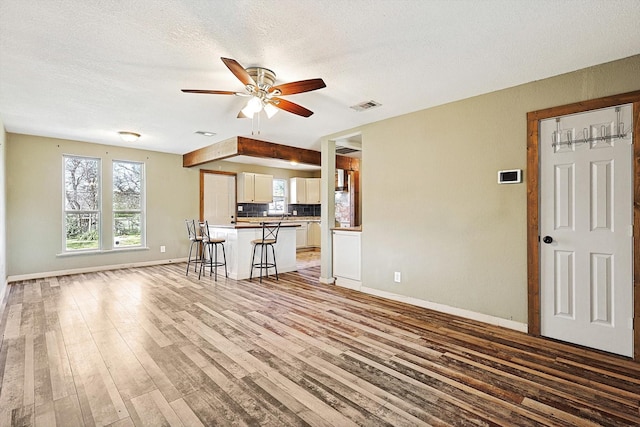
point(547, 239)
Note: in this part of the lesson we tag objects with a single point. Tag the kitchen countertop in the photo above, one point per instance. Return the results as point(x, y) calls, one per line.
point(358, 228)
point(243, 225)
point(253, 220)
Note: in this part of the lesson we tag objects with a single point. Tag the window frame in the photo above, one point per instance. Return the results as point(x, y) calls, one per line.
point(141, 211)
point(273, 211)
point(97, 212)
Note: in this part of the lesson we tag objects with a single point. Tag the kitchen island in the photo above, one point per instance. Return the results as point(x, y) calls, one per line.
point(238, 247)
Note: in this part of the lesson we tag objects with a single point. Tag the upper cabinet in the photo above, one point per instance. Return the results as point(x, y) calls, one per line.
point(304, 191)
point(297, 191)
point(255, 188)
point(313, 191)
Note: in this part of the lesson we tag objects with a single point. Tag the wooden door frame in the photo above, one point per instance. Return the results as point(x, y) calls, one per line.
point(202, 174)
point(533, 200)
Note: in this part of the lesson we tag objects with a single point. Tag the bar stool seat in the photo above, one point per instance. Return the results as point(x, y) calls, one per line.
point(269, 239)
point(210, 245)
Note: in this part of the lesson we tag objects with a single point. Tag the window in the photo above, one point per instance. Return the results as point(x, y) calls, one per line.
point(279, 205)
point(128, 202)
point(81, 203)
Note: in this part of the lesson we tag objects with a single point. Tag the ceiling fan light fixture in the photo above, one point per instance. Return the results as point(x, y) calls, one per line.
point(255, 104)
point(129, 136)
point(270, 110)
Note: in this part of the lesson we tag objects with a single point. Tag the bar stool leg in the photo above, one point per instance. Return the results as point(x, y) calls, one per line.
point(215, 275)
point(253, 261)
point(224, 257)
point(273, 250)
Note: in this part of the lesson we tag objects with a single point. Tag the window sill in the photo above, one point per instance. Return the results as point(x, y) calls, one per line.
point(102, 251)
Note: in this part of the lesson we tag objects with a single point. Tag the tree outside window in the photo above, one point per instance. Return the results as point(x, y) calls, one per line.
point(279, 205)
point(128, 186)
point(81, 203)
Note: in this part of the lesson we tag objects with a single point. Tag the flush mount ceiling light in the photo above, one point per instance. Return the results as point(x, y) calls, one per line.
point(129, 136)
point(205, 133)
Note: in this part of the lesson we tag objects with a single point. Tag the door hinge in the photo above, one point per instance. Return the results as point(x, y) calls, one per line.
point(631, 230)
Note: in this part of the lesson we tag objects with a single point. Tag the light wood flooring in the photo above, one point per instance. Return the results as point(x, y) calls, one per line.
point(308, 259)
point(151, 347)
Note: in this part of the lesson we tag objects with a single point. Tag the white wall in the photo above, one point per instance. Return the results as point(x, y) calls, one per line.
point(432, 208)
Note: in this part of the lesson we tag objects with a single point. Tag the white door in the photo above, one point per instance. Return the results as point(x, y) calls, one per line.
point(586, 217)
point(219, 198)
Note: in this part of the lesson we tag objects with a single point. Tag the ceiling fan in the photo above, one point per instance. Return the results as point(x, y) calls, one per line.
point(259, 86)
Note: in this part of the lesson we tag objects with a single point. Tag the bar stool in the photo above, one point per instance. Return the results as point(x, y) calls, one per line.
point(195, 241)
point(211, 244)
point(269, 238)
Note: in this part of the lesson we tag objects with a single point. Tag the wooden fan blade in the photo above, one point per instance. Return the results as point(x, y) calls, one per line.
point(291, 107)
point(239, 71)
point(300, 86)
point(213, 92)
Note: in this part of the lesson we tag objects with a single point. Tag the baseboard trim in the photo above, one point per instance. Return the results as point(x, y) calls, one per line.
point(327, 280)
point(93, 269)
point(467, 314)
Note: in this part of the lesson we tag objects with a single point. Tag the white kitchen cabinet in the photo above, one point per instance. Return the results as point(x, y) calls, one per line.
point(301, 235)
point(297, 190)
point(255, 188)
point(347, 259)
point(313, 234)
point(313, 191)
point(304, 191)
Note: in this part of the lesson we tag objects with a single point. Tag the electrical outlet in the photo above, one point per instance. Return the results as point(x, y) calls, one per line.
point(295, 213)
point(163, 249)
point(264, 213)
point(397, 277)
point(240, 208)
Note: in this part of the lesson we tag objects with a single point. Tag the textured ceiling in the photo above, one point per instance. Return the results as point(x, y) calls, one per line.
point(84, 70)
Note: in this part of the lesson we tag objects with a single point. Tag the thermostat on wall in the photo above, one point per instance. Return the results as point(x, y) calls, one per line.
point(513, 176)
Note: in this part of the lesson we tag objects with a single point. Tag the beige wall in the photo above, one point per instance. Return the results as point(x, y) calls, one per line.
point(3, 213)
point(282, 173)
point(34, 201)
point(432, 208)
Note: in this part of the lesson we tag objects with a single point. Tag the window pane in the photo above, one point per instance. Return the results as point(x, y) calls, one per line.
point(278, 187)
point(126, 229)
point(127, 186)
point(127, 203)
point(82, 231)
point(81, 184)
point(277, 206)
point(81, 203)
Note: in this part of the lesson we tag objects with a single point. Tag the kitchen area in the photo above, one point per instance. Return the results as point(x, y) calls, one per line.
point(243, 189)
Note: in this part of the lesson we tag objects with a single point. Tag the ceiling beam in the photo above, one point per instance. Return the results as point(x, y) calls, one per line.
point(241, 146)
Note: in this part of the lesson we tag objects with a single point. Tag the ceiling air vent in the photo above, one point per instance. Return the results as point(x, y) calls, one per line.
point(367, 105)
point(345, 150)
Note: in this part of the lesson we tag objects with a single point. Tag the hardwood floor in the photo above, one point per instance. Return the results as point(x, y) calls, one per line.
point(151, 347)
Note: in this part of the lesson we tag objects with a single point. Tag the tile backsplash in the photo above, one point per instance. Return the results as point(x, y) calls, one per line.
point(304, 210)
point(252, 209)
point(258, 209)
